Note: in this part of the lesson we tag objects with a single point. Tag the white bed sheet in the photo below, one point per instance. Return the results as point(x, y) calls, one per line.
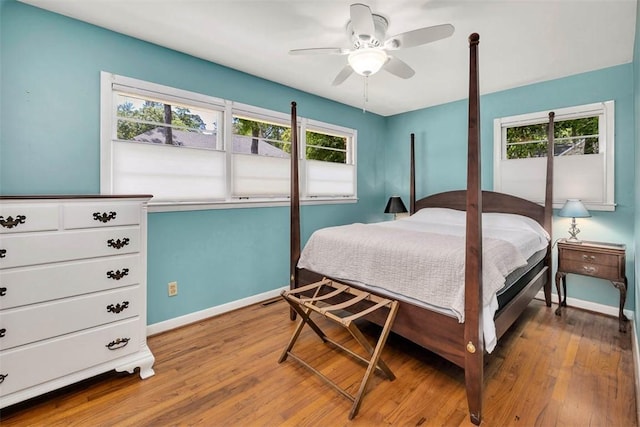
point(422, 257)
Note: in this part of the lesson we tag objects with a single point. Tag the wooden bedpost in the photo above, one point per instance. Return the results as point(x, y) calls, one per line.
point(412, 182)
point(473, 331)
point(295, 205)
point(548, 203)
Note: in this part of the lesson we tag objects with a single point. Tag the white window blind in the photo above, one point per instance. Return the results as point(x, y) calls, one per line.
point(260, 176)
point(171, 174)
point(330, 179)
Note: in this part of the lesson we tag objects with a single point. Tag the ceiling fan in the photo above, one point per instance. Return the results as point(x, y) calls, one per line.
point(369, 53)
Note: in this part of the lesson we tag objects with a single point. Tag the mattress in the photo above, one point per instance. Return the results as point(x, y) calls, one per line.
point(421, 258)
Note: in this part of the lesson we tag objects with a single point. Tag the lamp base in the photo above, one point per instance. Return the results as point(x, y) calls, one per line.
point(573, 232)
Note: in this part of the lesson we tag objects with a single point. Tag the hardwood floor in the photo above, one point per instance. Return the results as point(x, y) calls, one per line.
point(574, 370)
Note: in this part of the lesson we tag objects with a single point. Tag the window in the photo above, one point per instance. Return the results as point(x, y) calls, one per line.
point(188, 148)
point(583, 155)
point(330, 166)
point(261, 156)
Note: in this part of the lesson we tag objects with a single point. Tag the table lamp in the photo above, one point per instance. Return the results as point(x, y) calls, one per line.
point(573, 208)
point(395, 206)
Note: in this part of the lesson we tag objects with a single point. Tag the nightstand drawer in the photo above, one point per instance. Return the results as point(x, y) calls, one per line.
point(587, 257)
point(610, 272)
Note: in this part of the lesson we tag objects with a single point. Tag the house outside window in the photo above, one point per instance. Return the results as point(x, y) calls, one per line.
point(583, 155)
point(192, 149)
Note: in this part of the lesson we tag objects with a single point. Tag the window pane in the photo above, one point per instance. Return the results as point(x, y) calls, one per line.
point(571, 137)
point(260, 138)
point(149, 120)
point(327, 148)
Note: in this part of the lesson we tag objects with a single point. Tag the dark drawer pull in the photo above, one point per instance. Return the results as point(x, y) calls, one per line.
point(10, 222)
point(2, 377)
point(119, 343)
point(3, 291)
point(118, 307)
point(118, 244)
point(3, 253)
point(118, 274)
point(104, 217)
point(3, 332)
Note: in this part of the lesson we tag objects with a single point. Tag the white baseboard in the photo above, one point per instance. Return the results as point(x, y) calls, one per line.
point(176, 322)
point(588, 305)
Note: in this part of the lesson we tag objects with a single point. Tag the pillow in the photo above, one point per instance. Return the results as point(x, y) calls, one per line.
point(513, 221)
point(489, 220)
point(440, 215)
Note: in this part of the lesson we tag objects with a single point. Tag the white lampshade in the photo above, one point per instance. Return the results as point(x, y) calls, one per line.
point(367, 61)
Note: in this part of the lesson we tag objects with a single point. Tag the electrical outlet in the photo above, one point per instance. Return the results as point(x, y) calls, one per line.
point(173, 289)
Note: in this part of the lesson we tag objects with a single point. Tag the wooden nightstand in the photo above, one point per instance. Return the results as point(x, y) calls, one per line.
point(595, 259)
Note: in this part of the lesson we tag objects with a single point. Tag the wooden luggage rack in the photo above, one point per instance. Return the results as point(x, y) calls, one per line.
point(353, 304)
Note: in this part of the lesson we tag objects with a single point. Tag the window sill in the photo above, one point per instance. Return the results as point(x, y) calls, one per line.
point(240, 204)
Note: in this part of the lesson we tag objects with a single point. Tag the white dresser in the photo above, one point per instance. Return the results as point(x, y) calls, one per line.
point(73, 299)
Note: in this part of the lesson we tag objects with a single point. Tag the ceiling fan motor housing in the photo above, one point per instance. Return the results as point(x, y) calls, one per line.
point(376, 39)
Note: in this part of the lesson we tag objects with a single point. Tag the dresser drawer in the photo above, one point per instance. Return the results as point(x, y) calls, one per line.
point(28, 285)
point(100, 214)
point(22, 218)
point(610, 272)
point(23, 325)
point(44, 361)
point(40, 248)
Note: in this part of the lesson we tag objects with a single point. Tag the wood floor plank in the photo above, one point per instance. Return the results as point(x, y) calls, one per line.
point(569, 370)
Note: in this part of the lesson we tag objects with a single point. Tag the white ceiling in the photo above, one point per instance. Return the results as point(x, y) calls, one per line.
point(521, 41)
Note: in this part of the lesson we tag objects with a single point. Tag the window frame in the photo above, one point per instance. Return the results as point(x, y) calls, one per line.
point(320, 127)
point(606, 120)
point(111, 84)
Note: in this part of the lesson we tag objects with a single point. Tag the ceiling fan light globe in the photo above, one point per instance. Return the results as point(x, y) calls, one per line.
point(367, 61)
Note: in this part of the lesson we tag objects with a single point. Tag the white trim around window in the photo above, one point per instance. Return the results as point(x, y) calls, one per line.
point(587, 177)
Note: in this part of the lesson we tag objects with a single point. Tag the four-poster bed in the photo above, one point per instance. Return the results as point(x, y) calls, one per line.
point(445, 334)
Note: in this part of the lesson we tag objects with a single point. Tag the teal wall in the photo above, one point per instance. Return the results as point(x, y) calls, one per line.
point(441, 146)
point(636, 94)
point(49, 143)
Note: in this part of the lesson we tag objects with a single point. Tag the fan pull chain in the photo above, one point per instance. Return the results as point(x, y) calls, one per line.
point(366, 94)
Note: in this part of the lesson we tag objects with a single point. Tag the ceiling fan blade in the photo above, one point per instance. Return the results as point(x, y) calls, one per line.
point(342, 75)
point(419, 37)
point(398, 68)
point(320, 51)
point(362, 22)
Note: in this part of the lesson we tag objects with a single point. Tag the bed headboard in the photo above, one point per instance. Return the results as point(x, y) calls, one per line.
point(493, 201)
